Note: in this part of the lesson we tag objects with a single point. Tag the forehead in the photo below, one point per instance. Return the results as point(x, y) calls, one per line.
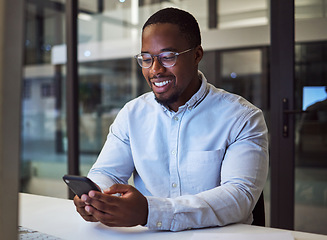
point(161, 36)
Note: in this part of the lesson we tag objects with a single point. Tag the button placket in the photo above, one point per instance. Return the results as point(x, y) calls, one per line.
point(174, 175)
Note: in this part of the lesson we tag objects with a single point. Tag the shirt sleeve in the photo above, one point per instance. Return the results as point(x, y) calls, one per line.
point(243, 175)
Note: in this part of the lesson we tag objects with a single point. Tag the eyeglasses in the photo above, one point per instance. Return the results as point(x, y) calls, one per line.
point(166, 59)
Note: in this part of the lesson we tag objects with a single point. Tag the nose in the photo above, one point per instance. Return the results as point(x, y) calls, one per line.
point(156, 66)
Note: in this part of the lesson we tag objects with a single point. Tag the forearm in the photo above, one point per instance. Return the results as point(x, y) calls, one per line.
point(216, 207)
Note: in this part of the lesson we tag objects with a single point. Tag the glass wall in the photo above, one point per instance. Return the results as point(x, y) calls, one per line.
point(43, 136)
point(311, 137)
point(310, 126)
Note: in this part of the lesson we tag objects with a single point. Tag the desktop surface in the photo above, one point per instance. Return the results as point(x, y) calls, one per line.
point(59, 218)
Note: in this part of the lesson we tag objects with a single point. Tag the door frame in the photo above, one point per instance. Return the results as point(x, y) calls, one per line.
point(282, 124)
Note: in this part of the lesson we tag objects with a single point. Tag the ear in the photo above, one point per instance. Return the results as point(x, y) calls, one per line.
point(198, 54)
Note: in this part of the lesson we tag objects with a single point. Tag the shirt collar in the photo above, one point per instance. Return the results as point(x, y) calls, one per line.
point(200, 94)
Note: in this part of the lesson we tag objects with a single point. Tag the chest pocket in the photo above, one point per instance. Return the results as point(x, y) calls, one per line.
point(203, 169)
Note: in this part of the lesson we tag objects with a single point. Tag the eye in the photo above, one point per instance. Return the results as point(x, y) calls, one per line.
point(167, 56)
point(146, 57)
point(146, 60)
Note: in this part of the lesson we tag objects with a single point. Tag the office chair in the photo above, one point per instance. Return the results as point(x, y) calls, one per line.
point(259, 212)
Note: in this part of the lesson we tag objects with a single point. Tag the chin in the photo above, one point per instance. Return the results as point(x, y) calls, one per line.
point(167, 101)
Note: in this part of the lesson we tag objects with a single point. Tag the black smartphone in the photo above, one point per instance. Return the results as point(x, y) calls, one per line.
point(80, 185)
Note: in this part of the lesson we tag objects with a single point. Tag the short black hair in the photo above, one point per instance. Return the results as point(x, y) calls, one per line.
point(188, 25)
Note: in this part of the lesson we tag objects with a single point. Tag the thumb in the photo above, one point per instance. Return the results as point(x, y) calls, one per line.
point(117, 188)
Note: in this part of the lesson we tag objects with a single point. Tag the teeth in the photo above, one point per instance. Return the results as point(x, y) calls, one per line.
point(160, 84)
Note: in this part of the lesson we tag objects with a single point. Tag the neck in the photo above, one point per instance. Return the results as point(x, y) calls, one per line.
point(193, 88)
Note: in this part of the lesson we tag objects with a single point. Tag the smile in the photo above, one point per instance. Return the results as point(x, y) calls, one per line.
point(161, 84)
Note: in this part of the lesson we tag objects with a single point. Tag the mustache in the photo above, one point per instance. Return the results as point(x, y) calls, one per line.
point(156, 77)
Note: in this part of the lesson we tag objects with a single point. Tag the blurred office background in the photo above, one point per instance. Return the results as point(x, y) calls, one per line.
point(236, 40)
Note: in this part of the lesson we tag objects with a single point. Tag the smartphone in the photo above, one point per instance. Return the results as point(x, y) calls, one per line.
point(80, 185)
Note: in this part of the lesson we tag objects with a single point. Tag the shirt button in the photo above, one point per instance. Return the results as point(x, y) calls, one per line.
point(173, 152)
point(176, 118)
point(159, 224)
point(174, 185)
point(189, 108)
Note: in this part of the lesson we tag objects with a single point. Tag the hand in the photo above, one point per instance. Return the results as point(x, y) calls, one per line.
point(130, 209)
point(80, 208)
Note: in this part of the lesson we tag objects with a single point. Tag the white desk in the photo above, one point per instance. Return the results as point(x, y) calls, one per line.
point(58, 217)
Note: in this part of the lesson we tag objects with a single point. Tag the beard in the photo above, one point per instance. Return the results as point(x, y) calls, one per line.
point(167, 101)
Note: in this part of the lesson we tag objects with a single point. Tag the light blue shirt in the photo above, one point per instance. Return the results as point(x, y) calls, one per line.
point(204, 165)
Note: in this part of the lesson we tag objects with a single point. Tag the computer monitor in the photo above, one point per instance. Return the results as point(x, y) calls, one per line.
point(313, 94)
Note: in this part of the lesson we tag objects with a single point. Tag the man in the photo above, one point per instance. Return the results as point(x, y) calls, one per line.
point(197, 153)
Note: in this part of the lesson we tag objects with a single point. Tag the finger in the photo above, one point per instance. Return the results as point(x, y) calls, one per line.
point(102, 217)
point(90, 218)
point(80, 208)
point(107, 204)
point(78, 202)
point(85, 215)
point(86, 199)
point(95, 196)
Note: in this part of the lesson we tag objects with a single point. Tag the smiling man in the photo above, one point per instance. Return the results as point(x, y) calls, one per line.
point(198, 155)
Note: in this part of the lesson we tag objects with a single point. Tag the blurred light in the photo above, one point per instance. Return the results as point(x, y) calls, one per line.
point(48, 47)
point(84, 16)
point(233, 75)
point(122, 1)
point(87, 53)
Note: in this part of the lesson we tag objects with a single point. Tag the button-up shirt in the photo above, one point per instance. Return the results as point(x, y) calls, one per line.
point(204, 165)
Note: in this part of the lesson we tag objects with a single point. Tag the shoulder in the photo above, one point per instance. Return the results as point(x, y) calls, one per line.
point(230, 101)
point(146, 100)
point(140, 105)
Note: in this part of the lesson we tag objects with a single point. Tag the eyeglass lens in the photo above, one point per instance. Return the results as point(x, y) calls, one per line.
point(167, 59)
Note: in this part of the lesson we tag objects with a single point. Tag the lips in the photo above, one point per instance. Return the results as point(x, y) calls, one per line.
point(162, 84)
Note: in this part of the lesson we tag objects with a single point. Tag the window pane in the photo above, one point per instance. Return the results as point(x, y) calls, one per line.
point(44, 159)
point(311, 138)
point(104, 87)
point(305, 9)
point(242, 74)
point(237, 13)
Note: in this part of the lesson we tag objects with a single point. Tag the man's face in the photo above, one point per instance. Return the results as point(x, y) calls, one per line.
point(172, 86)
